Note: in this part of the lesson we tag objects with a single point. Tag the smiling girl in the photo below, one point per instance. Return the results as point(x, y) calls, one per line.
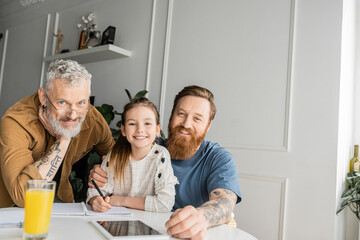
point(139, 170)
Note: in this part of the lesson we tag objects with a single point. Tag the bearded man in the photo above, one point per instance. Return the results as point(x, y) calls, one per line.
point(209, 185)
point(44, 134)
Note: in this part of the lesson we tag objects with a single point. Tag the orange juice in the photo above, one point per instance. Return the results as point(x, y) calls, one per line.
point(38, 204)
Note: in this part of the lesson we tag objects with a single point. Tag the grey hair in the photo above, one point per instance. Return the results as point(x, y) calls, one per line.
point(69, 70)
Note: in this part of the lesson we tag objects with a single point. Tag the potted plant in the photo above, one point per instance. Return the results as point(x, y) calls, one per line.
point(351, 195)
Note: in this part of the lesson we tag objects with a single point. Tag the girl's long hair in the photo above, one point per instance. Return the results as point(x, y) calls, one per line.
point(120, 153)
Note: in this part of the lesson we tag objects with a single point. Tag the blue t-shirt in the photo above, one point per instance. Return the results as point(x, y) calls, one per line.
point(211, 167)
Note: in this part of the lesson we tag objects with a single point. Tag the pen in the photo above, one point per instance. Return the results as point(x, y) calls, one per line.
point(97, 188)
point(12, 225)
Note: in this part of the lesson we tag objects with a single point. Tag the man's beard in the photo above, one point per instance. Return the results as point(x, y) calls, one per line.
point(180, 147)
point(55, 123)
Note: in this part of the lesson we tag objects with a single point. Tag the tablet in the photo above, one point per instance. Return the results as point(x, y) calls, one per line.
point(132, 229)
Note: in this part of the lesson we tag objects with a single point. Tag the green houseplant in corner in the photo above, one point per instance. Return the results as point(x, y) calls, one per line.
point(351, 195)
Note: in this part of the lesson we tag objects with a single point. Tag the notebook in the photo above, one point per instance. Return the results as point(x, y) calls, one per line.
point(85, 209)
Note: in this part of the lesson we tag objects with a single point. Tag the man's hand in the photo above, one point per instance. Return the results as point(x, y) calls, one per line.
point(45, 122)
point(99, 176)
point(187, 222)
point(190, 222)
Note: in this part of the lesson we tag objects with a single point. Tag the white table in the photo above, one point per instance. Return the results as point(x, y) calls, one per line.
point(79, 227)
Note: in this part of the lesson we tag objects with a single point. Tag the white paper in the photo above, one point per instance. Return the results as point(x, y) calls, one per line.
point(10, 216)
point(113, 211)
point(68, 209)
point(82, 209)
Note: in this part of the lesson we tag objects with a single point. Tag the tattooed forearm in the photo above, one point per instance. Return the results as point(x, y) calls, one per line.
point(56, 148)
point(54, 166)
point(42, 161)
point(218, 210)
point(45, 160)
point(231, 194)
point(50, 163)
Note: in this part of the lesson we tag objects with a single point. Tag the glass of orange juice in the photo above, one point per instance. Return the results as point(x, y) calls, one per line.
point(39, 197)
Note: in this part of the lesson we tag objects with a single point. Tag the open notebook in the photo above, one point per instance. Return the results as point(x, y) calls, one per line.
point(85, 209)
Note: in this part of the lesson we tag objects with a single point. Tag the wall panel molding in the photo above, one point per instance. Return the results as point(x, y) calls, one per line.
point(281, 183)
point(151, 45)
point(46, 41)
point(3, 59)
point(279, 143)
point(24, 52)
point(166, 61)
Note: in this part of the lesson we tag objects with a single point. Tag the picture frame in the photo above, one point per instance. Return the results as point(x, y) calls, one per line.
point(108, 36)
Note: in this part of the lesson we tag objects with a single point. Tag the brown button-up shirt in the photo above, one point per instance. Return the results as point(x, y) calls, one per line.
point(24, 140)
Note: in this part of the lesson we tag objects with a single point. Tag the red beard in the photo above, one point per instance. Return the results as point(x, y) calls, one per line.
point(180, 147)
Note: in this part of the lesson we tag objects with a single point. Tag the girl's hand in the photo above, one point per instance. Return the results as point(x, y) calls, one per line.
point(99, 205)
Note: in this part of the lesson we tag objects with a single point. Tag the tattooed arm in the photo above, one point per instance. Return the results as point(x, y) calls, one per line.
point(219, 208)
point(50, 163)
point(190, 222)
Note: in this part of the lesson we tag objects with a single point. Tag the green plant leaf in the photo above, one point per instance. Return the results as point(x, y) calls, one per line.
point(100, 109)
point(128, 94)
point(348, 192)
point(108, 117)
point(351, 180)
point(106, 111)
point(141, 94)
point(107, 107)
point(115, 133)
point(162, 135)
point(340, 209)
point(118, 124)
point(345, 203)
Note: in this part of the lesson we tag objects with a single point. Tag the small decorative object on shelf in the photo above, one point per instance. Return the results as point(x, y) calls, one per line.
point(354, 162)
point(94, 39)
point(108, 36)
point(86, 28)
point(82, 40)
point(59, 40)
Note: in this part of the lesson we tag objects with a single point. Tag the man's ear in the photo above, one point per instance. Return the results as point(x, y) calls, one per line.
point(42, 97)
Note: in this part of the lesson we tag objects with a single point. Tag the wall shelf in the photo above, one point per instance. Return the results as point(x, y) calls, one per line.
point(95, 54)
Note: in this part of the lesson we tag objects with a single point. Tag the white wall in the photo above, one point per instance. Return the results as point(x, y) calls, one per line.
point(281, 72)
